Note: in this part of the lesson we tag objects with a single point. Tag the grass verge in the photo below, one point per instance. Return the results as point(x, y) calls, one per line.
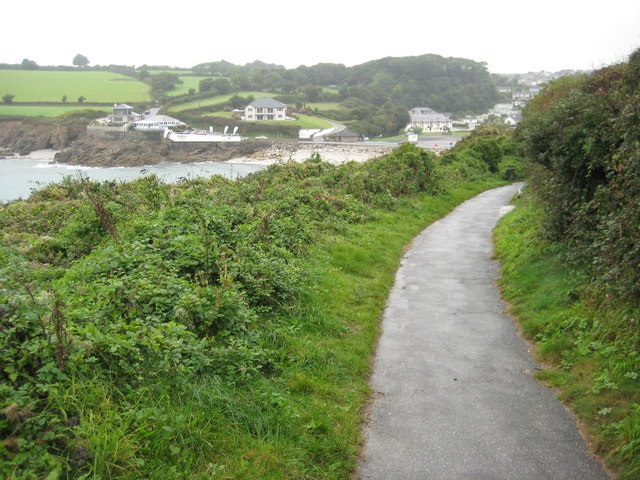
point(589, 344)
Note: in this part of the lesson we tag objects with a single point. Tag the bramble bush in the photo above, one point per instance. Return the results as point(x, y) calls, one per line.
point(584, 135)
point(109, 288)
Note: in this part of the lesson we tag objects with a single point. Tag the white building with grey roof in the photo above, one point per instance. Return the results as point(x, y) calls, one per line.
point(157, 122)
point(428, 120)
point(265, 109)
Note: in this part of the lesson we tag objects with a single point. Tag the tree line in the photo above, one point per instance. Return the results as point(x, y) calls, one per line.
point(374, 97)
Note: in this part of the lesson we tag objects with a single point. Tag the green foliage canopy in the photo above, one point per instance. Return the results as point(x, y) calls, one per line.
point(584, 135)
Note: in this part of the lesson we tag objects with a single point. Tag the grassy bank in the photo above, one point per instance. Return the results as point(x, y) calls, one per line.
point(209, 328)
point(588, 340)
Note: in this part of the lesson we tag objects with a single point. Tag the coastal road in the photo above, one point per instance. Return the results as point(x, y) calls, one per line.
point(438, 142)
point(454, 396)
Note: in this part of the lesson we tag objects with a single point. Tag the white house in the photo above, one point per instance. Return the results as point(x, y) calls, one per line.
point(265, 109)
point(503, 109)
point(157, 122)
point(123, 113)
point(428, 120)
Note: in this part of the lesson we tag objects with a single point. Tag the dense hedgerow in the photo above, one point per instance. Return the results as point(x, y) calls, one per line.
point(583, 134)
point(572, 253)
point(112, 287)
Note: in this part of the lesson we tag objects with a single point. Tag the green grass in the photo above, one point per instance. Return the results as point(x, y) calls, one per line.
point(170, 356)
point(301, 421)
point(304, 423)
point(218, 99)
point(589, 346)
point(304, 121)
point(187, 83)
point(50, 86)
point(219, 113)
point(44, 111)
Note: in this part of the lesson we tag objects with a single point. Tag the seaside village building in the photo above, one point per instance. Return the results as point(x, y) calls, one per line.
point(265, 109)
point(428, 120)
point(123, 113)
point(157, 123)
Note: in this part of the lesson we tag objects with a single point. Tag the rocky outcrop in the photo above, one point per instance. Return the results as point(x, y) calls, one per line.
point(24, 137)
point(76, 147)
point(132, 151)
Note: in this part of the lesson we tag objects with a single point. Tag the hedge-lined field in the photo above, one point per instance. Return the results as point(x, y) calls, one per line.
point(50, 86)
point(219, 99)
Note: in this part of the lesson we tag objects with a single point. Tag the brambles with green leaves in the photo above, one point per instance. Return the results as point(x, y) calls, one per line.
point(175, 330)
point(583, 134)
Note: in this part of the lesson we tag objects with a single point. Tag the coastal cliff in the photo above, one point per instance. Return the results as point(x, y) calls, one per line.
point(133, 151)
point(26, 136)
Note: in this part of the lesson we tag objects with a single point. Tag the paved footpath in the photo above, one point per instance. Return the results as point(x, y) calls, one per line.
point(454, 396)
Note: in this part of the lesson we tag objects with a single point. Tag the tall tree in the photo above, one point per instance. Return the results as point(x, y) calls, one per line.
point(29, 64)
point(80, 61)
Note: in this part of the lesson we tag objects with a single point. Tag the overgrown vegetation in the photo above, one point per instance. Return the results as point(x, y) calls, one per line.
point(572, 253)
point(208, 328)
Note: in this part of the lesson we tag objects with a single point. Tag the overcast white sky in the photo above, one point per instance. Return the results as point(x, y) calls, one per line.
point(511, 36)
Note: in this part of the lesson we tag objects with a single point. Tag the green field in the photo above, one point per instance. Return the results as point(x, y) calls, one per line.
point(43, 111)
point(218, 99)
point(47, 86)
point(304, 121)
point(187, 83)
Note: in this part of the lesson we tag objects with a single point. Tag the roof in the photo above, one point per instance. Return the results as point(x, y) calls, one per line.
point(345, 133)
point(426, 114)
point(122, 105)
point(267, 103)
point(158, 119)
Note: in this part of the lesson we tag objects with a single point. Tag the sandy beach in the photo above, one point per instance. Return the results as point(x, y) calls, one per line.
point(331, 153)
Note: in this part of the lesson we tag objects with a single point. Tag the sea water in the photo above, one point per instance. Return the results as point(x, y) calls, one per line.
point(19, 176)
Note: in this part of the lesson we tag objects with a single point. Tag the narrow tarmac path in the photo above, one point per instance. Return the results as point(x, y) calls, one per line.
point(454, 396)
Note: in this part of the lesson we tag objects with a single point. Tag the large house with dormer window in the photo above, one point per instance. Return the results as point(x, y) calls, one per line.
point(428, 120)
point(265, 109)
point(123, 113)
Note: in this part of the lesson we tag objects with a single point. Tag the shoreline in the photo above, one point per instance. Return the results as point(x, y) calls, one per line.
point(332, 153)
point(275, 153)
